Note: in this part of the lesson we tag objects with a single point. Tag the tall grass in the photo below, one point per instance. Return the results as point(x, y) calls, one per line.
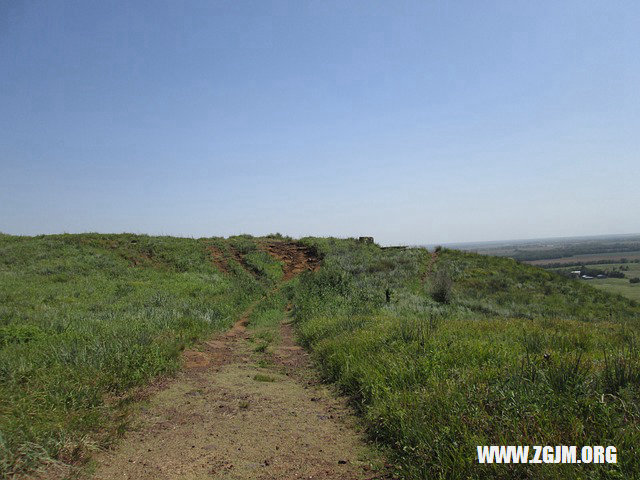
point(518, 356)
point(86, 318)
point(511, 355)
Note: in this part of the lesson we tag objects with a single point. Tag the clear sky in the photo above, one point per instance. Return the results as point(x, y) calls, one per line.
point(415, 122)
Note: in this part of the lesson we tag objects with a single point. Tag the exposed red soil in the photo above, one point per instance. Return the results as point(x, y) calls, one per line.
point(221, 261)
point(217, 257)
point(295, 257)
point(237, 256)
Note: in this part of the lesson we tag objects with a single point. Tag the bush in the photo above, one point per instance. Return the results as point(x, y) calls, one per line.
point(634, 280)
point(441, 287)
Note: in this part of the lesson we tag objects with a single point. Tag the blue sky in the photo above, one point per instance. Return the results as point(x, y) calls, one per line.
point(414, 122)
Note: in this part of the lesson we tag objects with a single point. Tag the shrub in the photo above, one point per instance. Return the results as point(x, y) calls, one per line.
point(634, 280)
point(279, 236)
point(441, 287)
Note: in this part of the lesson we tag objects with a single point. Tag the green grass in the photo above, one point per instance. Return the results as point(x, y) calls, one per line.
point(512, 354)
point(619, 286)
point(265, 319)
point(84, 319)
point(518, 356)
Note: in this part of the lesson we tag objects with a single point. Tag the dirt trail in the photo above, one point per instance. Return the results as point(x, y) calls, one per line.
point(226, 417)
point(221, 261)
point(432, 260)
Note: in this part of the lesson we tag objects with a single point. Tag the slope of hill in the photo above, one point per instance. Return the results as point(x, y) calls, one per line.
point(84, 319)
point(439, 351)
point(511, 355)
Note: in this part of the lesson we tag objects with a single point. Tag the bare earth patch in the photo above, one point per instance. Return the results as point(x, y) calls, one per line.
point(296, 258)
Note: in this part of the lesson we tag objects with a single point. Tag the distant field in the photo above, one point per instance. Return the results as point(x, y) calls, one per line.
point(562, 250)
point(620, 286)
point(594, 257)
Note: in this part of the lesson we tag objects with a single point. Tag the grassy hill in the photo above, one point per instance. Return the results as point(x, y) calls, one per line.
point(86, 318)
point(468, 350)
point(513, 355)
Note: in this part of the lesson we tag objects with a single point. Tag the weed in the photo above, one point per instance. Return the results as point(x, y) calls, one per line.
point(441, 287)
point(264, 363)
point(261, 347)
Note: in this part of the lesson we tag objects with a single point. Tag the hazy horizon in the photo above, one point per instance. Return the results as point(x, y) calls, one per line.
point(500, 241)
point(414, 123)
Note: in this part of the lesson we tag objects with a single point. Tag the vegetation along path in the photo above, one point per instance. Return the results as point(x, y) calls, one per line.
point(240, 410)
point(438, 351)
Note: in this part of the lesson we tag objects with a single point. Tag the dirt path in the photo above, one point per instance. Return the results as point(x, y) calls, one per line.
point(233, 413)
point(429, 269)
